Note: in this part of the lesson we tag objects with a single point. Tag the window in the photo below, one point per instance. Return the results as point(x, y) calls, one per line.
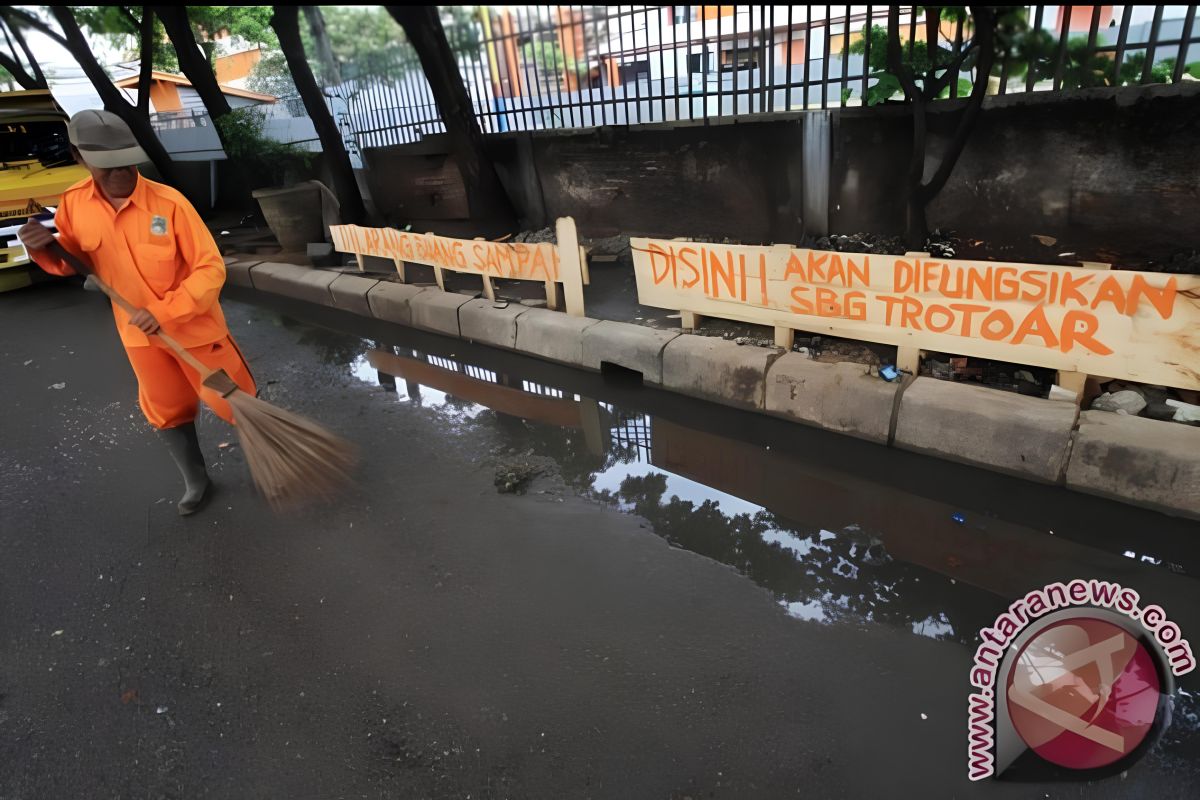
point(681, 15)
point(746, 58)
point(700, 62)
point(635, 71)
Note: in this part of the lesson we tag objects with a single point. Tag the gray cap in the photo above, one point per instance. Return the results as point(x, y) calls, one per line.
point(104, 140)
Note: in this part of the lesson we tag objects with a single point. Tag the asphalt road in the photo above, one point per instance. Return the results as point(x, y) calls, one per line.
point(424, 636)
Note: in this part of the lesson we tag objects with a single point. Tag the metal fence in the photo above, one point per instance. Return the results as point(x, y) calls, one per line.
point(540, 67)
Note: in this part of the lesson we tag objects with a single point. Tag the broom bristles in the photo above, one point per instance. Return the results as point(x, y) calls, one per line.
point(291, 459)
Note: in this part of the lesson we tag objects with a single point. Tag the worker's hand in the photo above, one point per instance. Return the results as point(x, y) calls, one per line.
point(35, 236)
point(144, 321)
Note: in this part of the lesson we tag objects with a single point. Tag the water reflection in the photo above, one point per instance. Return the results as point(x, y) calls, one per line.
point(724, 499)
point(832, 547)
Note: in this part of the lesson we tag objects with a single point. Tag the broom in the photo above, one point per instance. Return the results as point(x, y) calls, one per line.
point(291, 459)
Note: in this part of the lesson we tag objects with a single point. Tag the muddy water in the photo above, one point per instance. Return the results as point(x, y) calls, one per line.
point(840, 532)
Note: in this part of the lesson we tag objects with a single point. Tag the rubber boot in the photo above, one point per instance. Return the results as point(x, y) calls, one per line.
point(184, 447)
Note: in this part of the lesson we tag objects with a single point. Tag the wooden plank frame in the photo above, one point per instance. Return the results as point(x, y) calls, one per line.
point(561, 268)
point(1138, 326)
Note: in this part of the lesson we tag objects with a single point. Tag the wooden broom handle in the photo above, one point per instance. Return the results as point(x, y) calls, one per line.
point(78, 264)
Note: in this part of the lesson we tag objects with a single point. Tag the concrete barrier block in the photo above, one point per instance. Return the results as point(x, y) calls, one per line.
point(438, 311)
point(1135, 460)
point(289, 280)
point(481, 321)
point(631, 346)
point(237, 273)
point(391, 301)
point(553, 335)
point(716, 369)
point(349, 292)
point(840, 397)
point(1023, 436)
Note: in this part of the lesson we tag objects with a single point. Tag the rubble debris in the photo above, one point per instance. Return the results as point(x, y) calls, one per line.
point(514, 477)
point(1125, 400)
point(1184, 412)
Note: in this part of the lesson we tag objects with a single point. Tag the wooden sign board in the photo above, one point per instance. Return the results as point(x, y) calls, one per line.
point(538, 261)
point(1140, 326)
point(531, 262)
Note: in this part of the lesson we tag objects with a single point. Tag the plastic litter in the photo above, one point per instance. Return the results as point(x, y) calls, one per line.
point(959, 518)
point(888, 372)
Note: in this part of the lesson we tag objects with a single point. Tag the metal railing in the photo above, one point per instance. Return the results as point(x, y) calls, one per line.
point(539, 67)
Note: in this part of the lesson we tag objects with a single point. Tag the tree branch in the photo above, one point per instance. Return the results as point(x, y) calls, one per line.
point(23, 78)
point(895, 57)
point(38, 75)
point(37, 24)
point(985, 30)
point(13, 63)
point(146, 65)
point(191, 60)
point(943, 80)
point(134, 22)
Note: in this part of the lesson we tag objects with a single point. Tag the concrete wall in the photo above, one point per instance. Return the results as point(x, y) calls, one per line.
point(1106, 172)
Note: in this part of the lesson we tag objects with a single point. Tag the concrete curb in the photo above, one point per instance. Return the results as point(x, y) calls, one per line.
point(302, 283)
point(1132, 460)
point(553, 335)
point(438, 311)
point(392, 301)
point(350, 292)
point(841, 397)
point(1140, 461)
point(630, 346)
point(238, 273)
point(1023, 436)
point(718, 370)
point(481, 321)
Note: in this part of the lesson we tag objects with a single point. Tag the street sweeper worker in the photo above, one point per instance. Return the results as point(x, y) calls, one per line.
point(147, 241)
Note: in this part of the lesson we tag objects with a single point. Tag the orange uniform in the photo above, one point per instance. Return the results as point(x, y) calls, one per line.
point(156, 252)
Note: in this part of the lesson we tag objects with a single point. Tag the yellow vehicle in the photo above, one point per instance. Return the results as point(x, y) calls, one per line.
point(35, 169)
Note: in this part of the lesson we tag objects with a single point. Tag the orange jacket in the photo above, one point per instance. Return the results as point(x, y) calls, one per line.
point(155, 251)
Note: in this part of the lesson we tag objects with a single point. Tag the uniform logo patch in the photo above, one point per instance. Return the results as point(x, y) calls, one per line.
point(158, 225)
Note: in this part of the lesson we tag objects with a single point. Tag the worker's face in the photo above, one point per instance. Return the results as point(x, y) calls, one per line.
point(117, 182)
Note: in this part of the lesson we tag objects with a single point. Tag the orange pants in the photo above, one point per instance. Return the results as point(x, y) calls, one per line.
point(169, 391)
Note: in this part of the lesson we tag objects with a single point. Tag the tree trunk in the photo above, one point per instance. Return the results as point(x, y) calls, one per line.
point(192, 60)
point(75, 42)
point(287, 27)
point(486, 197)
point(146, 60)
point(26, 80)
point(316, 24)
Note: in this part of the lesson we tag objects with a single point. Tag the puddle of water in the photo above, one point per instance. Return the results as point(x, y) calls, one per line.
point(833, 547)
point(765, 512)
point(829, 547)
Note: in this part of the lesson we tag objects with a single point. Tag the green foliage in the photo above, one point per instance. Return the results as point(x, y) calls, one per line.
point(547, 56)
point(263, 161)
point(120, 30)
point(251, 24)
point(272, 76)
point(119, 27)
point(550, 61)
point(366, 42)
point(462, 24)
point(1028, 51)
